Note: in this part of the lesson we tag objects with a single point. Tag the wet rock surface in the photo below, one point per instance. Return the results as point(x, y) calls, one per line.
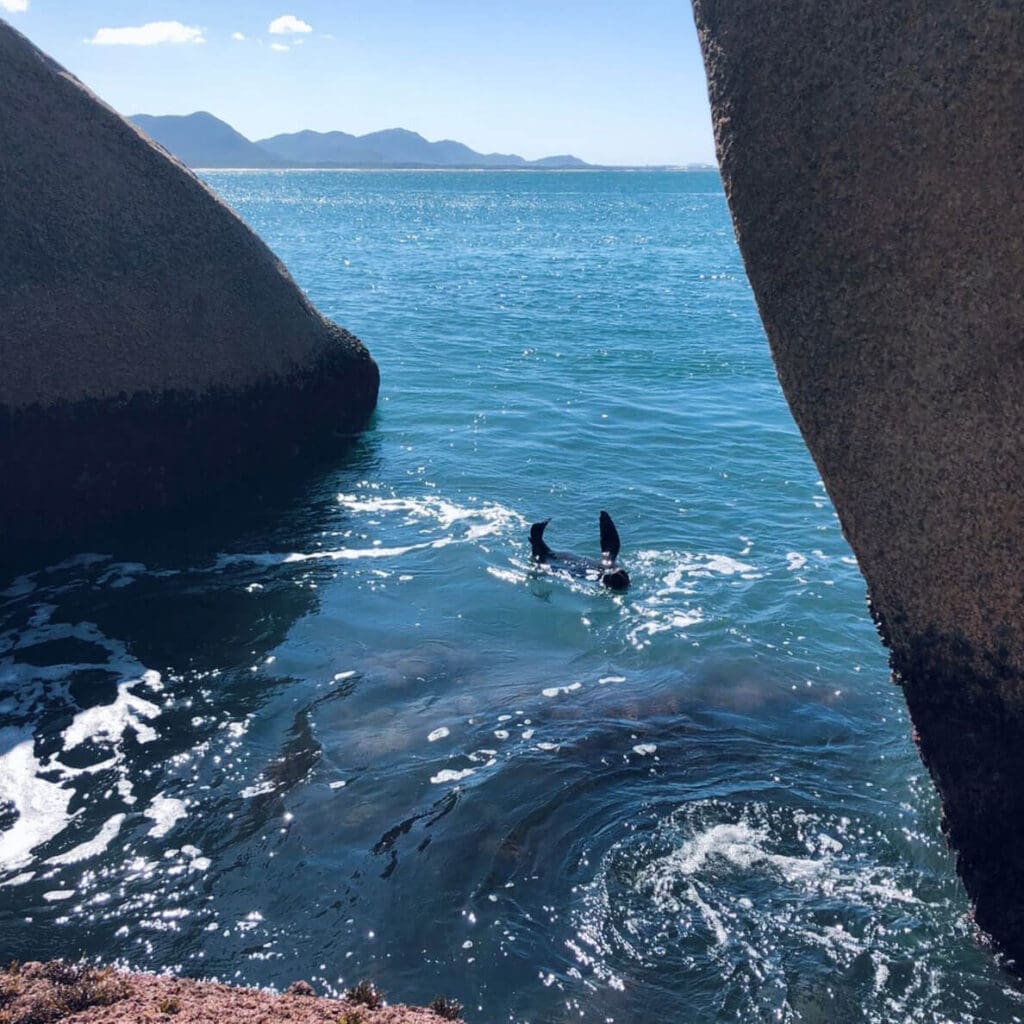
point(871, 158)
point(150, 342)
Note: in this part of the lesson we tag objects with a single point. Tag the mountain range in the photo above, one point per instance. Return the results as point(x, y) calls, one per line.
point(202, 140)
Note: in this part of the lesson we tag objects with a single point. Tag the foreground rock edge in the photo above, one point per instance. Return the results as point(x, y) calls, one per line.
point(869, 155)
point(152, 345)
point(40, 993)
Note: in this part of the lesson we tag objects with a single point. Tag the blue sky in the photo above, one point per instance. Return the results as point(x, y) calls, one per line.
point(611, 81)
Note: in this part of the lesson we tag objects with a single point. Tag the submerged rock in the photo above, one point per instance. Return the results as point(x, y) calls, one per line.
point(871, 155)
point(151, 345)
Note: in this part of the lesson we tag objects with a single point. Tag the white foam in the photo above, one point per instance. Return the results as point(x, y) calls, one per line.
point(639, 636)
point(645, 749)
point(108, 831)
point(438, 734)
point(604, 680)
point(108, 722)
point(881, 973)
point(794, 561)
point(270, 559)
point(197, 862)
point(257, 789)
point(829, 843)
point(696, 567)
point(42, 806)
point(166, 812)
point(58, 894)
point(683, 620)
point(451, 775)
point(352, 554)
point(554, 691)
point(672, 581)
point(745, 848)
point(39, 792)
point(796, 861)
point(487, 520)
point(477, 522)
point(711, 918)
point(723, 565)
point(739, 844)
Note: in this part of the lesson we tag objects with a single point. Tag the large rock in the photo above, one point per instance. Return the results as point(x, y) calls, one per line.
point(872, 157)
point(150, 344)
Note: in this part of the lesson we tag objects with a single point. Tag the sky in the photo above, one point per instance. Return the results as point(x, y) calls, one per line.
point(610, 81)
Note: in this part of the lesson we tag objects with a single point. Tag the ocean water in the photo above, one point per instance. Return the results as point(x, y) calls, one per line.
point(351, 732)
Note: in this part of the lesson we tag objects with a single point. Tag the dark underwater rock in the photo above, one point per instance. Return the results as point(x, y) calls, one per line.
point(872, 157)
point(151, 345)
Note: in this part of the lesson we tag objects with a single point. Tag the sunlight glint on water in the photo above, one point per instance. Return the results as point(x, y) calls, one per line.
point(355, 733)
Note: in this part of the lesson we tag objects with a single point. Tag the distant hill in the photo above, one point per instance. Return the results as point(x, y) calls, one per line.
point(395, 147)
point(560, 161)
point(202, 140)
point(320, 149)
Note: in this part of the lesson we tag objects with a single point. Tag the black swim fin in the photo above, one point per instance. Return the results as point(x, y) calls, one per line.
point(609, 538)
point(539, 548)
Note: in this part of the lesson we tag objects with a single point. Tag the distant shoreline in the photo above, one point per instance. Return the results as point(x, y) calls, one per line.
point(590, 169)
point(202, 141)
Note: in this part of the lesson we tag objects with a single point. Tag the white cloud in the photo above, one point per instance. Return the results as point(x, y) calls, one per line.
point(14, 6)
point(280, 47)
point(239, 36)
point(288, 25)
point(150, 34)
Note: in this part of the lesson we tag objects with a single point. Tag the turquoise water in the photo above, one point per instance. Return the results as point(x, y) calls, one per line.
point(352, 732)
